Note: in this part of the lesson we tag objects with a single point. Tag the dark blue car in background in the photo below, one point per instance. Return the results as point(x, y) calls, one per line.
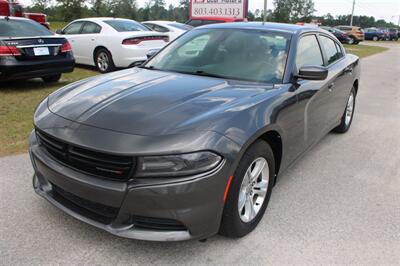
point(374, 34)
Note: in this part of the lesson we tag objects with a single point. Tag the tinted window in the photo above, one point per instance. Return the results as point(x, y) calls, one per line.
point(329, 46)
point(74, 28)
point(22, 28)
point(308, 52)
point(228, 53)
point(195, 22)
point(126, 25)
point(149, 25)
point(180, 26)
point(160, 28)
point(91, 27)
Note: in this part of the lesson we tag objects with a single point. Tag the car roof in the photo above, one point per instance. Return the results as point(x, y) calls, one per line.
point(160, 21)
point(291, 28)
point(100, 19)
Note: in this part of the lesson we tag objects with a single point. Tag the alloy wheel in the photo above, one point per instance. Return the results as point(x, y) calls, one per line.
point(103, 61)
point(349, 109)
point(253, 189)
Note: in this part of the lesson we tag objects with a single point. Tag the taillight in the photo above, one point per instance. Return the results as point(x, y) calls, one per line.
point(137, 40)
point(66, 47)
point(9, 51)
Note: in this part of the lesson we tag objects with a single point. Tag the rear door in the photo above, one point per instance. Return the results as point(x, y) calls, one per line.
point(87, 41)
point(339, 77)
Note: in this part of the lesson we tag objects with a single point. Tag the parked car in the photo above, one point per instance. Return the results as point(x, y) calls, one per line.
point(190, 143)
point(393, 34)
point(29, 50)
point(342, 36)
point(108, 43)
point(207, 21)
point(355, 33)
point(386, 34)
point(172, 28)
point(374, 34)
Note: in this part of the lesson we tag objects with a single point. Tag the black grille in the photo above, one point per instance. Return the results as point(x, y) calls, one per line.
point(93, 210)
point(88, 161)
point(161, 224)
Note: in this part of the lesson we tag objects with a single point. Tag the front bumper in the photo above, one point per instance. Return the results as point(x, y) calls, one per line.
point(191, 207)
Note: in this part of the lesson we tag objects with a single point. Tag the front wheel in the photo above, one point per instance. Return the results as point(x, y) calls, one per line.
point(348, 114)
point(375, 38)
point(249, 192)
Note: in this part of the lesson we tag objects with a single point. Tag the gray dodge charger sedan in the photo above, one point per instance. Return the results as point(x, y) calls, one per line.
point(190, 144)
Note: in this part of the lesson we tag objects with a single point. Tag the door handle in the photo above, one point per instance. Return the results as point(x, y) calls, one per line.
point(330, 87)
point(92, 39)
point(348, 70)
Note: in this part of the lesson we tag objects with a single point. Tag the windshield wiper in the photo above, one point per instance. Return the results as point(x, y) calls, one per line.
point(206, 74)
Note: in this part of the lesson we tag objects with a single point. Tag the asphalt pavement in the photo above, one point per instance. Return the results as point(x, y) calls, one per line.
point(340, 204)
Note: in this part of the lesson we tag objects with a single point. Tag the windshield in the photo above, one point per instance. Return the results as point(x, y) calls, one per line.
point(250, 55)
point(22, 28)
point(126, 25)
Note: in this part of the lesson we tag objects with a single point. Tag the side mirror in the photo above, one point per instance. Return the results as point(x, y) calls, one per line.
point(59, 31)
point(151, 53)
point(312, 72)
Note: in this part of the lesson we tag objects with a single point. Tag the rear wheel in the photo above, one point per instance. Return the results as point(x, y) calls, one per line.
point(353, 40)
point(249, 192)
point(348, 114)
point(52, 78)
point(104, 61)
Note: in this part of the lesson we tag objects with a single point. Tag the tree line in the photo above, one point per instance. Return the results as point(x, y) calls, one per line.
point(288, 11)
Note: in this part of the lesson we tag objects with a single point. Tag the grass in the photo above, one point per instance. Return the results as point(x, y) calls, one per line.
point(364, 50)
point(18, 100)
point(54, 25)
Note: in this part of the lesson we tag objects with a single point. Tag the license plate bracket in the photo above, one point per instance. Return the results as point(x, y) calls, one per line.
point(41, 51)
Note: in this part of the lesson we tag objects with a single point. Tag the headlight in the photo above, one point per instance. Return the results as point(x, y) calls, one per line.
point(177, 165)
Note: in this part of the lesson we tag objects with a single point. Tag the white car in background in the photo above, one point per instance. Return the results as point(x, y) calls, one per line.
point(173, 28)
point(108, 43)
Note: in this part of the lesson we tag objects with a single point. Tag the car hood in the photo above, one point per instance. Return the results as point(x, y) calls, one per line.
point(149, 102)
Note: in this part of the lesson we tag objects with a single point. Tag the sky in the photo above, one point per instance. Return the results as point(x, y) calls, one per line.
point(388, 10)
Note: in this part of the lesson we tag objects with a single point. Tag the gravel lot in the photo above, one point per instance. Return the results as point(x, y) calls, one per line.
point(339, 204)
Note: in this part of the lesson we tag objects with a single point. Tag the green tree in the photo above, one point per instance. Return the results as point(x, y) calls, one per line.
point(293, 11)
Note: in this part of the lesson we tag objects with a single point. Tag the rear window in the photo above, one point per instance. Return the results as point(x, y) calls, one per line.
point(22, 28)
point(126, 25)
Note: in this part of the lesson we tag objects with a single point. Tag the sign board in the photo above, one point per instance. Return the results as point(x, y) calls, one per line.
point(218, 9)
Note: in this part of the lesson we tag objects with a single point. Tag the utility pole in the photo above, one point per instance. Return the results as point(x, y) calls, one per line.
point(265, 10)
point(352, 13)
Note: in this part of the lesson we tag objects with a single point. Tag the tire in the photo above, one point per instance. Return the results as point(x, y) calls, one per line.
point(351, 41)
point(354, 40)
point(103, 61)
point(52, 78)
point(346, 120)
point(235, 224)
point(375, 38)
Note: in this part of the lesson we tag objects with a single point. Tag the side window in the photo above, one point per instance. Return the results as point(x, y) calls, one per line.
point(308, 52)
point(340, 50)
point(90, 28)
point(330, 48)
point(160, 28)
point(74, 28)
point(149, 25)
